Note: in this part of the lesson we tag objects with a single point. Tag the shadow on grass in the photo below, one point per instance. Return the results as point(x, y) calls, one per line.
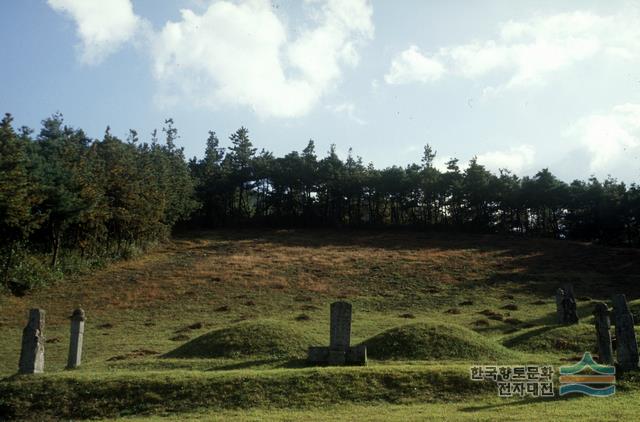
point(13, 377)
point(273, 362)
point(583, 309)
point(513, 341)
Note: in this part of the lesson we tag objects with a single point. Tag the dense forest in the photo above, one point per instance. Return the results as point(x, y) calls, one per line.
point(67, 200)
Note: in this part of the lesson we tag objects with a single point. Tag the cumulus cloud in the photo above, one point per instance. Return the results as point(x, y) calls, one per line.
point(527, 52)
point(412, 66)
point(102, 26)
point(612, 139)
point(346, 109)
point(516, 159)
point(240, 54)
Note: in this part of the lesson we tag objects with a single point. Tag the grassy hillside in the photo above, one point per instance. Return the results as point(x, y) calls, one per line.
point(234, 310)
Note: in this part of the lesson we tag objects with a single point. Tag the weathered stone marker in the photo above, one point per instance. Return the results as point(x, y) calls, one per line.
point(627, 345)
point(559, 309)
point(566, 305)
point(75, 343)
point(603, 333)
point(339, 351)
point(339, 332)
point(32, 351)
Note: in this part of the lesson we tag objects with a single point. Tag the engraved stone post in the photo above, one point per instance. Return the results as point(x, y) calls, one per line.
point(627, 345)
point(603, 334)
point(339, 351)
point(559, 309)
point(340, 334)
point(75, 344)
point(32, 351)
point(566, 305)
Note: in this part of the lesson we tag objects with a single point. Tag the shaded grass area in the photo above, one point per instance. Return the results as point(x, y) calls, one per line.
point(574, 338)
point(109, 395)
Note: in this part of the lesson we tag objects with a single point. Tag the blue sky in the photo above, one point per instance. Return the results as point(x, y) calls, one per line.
point(523, 85)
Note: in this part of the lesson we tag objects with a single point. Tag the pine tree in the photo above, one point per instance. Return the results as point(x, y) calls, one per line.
point(18, 196)
point(239, 163)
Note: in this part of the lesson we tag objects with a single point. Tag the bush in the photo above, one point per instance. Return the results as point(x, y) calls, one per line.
point(29, 271)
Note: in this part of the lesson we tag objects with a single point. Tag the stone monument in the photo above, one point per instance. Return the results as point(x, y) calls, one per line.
point(566, 305)
point(32, 351)
point(603, 333)
point(627, 345)
point(339, 351)
point(75, 343)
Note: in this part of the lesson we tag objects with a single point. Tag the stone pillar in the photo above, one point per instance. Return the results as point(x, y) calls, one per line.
point(75, 344)
point(566, 305)
point(32, 351)
point(627, 345)
point(603, 333)
point(559, 309)
point(340, 332)
point(339, 351)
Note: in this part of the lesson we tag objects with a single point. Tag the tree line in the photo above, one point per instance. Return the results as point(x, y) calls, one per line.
point(62, 193)
point(65, 195)
point(238, 185)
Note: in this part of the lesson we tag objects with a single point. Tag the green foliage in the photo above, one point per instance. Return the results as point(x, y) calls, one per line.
point(96, 199)
point(299, 189)
point(27, 272)
point(18, 198)
point(434, 341)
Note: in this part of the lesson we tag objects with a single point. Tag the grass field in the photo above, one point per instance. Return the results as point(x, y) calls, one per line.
point(215, 325)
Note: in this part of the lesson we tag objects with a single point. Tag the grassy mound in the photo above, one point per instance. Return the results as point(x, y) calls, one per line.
point(433, 341)
point(108, 395)
point(254, 338)
point(553, 339)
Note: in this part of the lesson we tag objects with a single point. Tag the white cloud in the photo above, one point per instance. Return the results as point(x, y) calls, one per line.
point(346, 109)
point(533, 49)
point(412, 66)
point(240, 54)
point(611, 139)
point(516, 159)
point(102, 26)
point(476, 59)
point(527, 52)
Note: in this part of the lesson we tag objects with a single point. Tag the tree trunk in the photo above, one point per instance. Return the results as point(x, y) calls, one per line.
point(6, 266)
point(56, 237)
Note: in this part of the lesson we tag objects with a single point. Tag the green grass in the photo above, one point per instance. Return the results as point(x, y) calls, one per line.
point(435, 341)
point(90, 395)
point(480, 409)
point(556, 339)
point(215, 325)
point(254, 338)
